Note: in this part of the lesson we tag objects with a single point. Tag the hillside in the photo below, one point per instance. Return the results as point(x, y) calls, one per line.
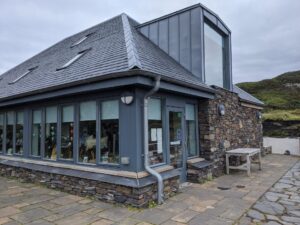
point(280, 94)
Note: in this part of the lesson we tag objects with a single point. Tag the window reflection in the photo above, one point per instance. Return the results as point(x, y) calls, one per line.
point(87, 132)
point(109, 132)
point(214, 56)
point(67, 132)
point(191, 129)
point(36, 133)
point(50, 133)
point(155, 131)
point(9, 132)
point(19, 132)
point(1, 132)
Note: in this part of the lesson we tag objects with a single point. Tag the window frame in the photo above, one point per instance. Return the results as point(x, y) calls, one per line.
point(224, 36)
point(166, 154)
point(59, 127)
point(15, 131)
point(44, 116)
point(3, 133)
point(99, 108)
point(198, 147)
point(42, 132)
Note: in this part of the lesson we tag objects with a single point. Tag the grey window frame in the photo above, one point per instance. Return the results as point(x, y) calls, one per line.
point(198, 147)
point(226, 74)
point(15, 132)
point(41, 156)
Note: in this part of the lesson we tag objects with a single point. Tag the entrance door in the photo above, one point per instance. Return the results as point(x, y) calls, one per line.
point(176, 142)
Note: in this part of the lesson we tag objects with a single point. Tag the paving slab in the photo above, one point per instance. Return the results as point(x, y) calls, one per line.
point(205, 204)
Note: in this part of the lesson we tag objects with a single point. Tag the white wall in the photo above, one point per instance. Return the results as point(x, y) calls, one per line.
point(280, 145)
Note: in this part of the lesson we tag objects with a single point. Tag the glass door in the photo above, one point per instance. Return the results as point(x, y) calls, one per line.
point(176, 142)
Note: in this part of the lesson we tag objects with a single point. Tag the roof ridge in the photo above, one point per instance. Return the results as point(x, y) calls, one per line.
point(132, 53)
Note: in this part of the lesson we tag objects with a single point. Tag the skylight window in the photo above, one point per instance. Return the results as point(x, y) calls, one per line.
point(23, 75)
point(81, 40)
point(70, 62)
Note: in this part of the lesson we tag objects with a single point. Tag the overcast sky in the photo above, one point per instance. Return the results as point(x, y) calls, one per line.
point(265, 34)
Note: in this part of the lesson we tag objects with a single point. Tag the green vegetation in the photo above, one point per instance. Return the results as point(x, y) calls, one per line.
point(280, 94)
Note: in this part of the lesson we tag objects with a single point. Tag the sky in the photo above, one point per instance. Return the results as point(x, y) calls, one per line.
point(265, 34)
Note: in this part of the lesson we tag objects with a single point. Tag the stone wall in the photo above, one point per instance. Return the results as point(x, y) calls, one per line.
point(238, 128)
point(137, 197)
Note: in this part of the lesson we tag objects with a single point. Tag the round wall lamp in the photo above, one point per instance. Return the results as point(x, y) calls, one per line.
point(258, 115)
point(127, 98)
point(221, 109)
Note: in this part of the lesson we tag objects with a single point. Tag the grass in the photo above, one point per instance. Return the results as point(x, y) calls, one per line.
point(282, 115)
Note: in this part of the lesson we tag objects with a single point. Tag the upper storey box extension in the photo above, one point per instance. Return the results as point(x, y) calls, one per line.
point(196, 38)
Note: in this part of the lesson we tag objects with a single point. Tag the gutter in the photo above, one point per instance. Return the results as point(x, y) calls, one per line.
point(160, 185)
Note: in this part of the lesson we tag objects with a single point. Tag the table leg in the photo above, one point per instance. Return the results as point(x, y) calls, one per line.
point(248, 165)
point(259, 160)
point(227, 163)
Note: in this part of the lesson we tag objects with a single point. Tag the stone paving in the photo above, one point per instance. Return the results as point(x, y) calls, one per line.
point(221, 201)
point(280, 204)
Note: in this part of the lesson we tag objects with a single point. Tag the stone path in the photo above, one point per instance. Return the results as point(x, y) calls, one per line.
point(281, 204)
point(219, 202)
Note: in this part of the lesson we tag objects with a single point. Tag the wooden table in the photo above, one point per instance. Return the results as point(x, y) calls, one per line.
point(248, 152)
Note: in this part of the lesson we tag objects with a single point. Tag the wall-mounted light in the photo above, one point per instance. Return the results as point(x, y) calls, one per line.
point(127, 98)
point(258, 115)
point(221, 109)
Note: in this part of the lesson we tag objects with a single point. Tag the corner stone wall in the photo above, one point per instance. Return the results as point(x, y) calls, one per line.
point(238, 128)
point(113, 193)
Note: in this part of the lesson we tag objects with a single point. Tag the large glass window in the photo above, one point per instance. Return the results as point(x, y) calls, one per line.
point(1, 132)
point(214, 56)
point(155, 131)
point(9, 132)
point(87, 132)
point(36, 133)
point(190, 112)
point(50, 132)
point(109, 132)
point(67, 132)
point(19, 133)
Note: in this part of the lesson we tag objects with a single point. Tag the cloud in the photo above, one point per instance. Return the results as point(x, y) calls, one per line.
point(265, 34)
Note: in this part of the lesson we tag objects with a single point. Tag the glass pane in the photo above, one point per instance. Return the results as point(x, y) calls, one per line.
point(155, 132)
point(175, 132)
point(1, 132)
point(110, 110)
point(68, 114)
point(87, 133)
point(50, 133)
point(36, 133)
point(87, 111)
point(190, 112)
point(10, 118)
point(67, 132)
point(214, 54)
point(191, 130)
point(154, 109)
point(51, 114)
point(19, 133)
point(9, 132)
point(109, 142)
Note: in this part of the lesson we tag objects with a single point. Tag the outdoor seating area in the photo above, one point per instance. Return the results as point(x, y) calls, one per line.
point(221, 201)
point(249, 154)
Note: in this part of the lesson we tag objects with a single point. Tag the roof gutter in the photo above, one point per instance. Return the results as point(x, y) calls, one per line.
point(132, 72)
point(160, 185)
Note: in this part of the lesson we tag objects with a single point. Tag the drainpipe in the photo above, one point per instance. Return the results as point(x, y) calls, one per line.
point(160, 185)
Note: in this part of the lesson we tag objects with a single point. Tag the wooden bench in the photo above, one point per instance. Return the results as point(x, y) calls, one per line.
point(248, 153)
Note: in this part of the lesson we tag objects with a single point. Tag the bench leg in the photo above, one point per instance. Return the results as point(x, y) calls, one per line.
point(248, 165)
point(259, 160)
point(227, 164)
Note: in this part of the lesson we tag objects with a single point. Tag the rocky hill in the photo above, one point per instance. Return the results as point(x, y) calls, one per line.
point(281, 95)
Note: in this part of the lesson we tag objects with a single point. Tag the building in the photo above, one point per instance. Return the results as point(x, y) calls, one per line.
point(124, 110)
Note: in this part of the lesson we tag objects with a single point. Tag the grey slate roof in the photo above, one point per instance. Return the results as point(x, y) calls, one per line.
point(116, 47)
point(246, 96)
